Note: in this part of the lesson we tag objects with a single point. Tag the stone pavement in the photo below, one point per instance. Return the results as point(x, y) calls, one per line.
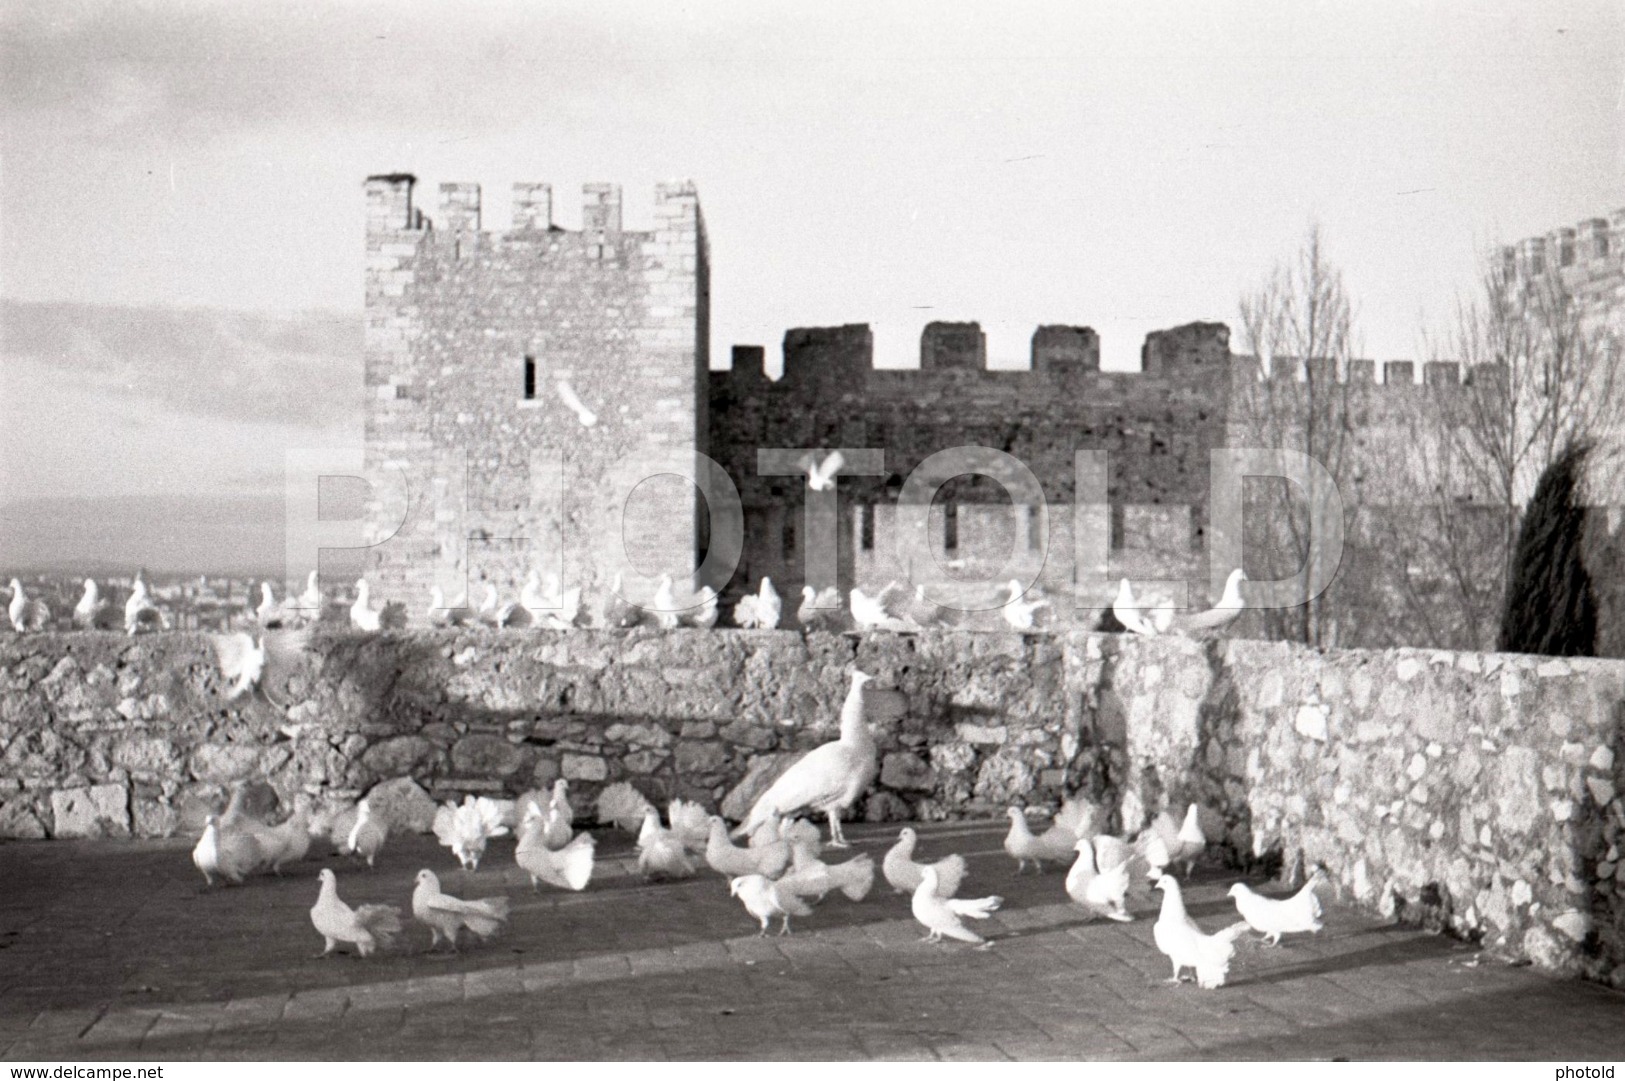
point(111, 950)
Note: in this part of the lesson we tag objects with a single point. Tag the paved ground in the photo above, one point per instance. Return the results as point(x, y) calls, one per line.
point(112, 950)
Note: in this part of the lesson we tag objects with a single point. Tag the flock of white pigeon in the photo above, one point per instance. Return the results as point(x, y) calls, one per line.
point(777, 874)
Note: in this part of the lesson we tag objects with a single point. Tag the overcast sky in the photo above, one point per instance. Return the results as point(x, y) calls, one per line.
point(1128, 166)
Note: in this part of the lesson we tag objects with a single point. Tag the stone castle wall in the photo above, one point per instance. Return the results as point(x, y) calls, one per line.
point(1478, 790)
point(469, 333)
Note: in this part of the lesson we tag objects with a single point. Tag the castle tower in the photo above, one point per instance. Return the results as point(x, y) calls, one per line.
point(512, 377)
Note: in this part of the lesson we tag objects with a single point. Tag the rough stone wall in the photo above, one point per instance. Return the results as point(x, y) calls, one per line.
point(455, 314)
point(1475, 791)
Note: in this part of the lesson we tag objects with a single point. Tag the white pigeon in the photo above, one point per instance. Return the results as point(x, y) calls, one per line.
point(231, 854)
point(727, 859)
point(445, 915)
point(559, 607)
point(659, 851)
point(830, 777)
point(942, 915)
point(1162, 615)
point(819, 609)
point(366, 927)
point(905, 875)
point(703, 614)
point(91, 611)
point(531, 594)
point(246, 660)
point(269, 612)
point(760, 610)
point(1056, 843)
point(810, 877)
point(869, 613)
point(442, 614)
point(467, 828)
point(1128, 612)
point(567, 866)
point(665, 604)
point(289, 842)
point(921, 611)
point(1114, 852)
point(1221, 615)
point(764, 900)
point(623, 805)
point(1186, 945)
point(1017, 612)
point(1164, 844)
point(1078, 815)
point(366, 838)
point(1102, 892)
point(617, 610)
point(574, 404)
point(559, 803)
point(1274, 918)
point(309, 605)
point(26, 615)
point(821, 475)
point(363, 616)
point(690, 823)
point(794, 831)
point(140, 614)
point(489, 609)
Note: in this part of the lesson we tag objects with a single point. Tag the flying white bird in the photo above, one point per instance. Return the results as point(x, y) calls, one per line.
point(821, 475)
point(941, 915)
point(1128, 611)
point(869, 613)
point(1058, 842)
point(445, 915)
point(366, 838)
point(760, 609)
point(905, 875)
point(810, 877)
point(366, 928)
point(690, 823)
point(1017, 612)
point(1102, 892)
point(1221, 615)
point(466, 829)
point(231, 854)
point(140, 614)
point(363, 616)
point(764, 900)
point(26, 615)
point(659, 850)
point(623, 805)
point(829, 778)
point(91, 611)
point(730, 861)
point(246, 660)
point(569, 866)
point(1274, 918)
point(568, 396)
point(442, 614)
point(1186, 945)
point(819, 609)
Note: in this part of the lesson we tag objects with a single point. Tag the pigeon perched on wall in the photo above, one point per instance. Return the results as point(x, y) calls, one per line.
point(819, 609)
point(1129, 612)
point(363, 616)
point(445, 915)
point(944, 915)
point(829, 778)
point(904, 874)
point(759, 610)
point(870, 612)
point(91, 613)
point(1273, 918)
point(1019, 613)
point(764, 900)
point(140, 614)
point(1186, 945)
point(1221, 615)
point(26, 614)
point(309, 605)
point(366, 927)
point(442, 614)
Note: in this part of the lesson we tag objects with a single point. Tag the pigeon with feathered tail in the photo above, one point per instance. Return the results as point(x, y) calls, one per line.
point(366, 927)
point(1187, 945)
point(445, 915)
point(942, 916)
point(466, 829)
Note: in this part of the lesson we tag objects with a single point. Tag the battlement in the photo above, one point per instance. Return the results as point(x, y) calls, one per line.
point(390, 207)
point(1398, 374)
point(1593, 247)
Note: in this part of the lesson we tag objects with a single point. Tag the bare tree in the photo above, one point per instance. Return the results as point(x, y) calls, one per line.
point(1542, 375)
point(1299, 323)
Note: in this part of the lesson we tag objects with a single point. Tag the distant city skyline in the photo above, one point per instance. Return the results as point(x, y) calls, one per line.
point(181, 205)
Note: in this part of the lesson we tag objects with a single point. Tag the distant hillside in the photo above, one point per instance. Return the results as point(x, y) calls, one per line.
point(167, 534)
